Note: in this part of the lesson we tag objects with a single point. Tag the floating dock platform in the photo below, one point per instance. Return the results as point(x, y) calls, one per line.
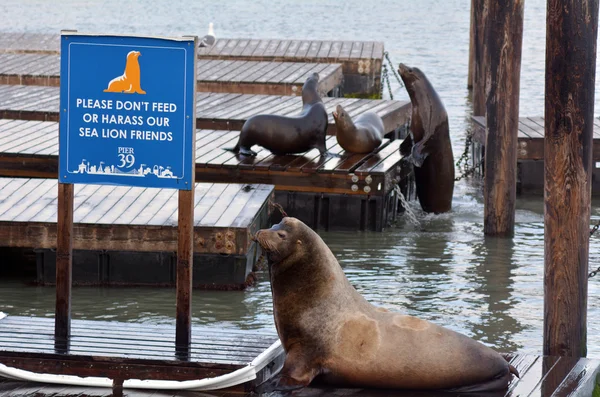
point(122, 351)
point(530, 153)
point(245, 77)
point(213, 110)
point(128, 235)
point(320, 191)
point(361, 60)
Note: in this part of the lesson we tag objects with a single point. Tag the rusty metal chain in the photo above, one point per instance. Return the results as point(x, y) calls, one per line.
point(469, 171)
point(464, 157)
point(278, 206)
point(593, 230)
point(463, 161)
point(387, 57)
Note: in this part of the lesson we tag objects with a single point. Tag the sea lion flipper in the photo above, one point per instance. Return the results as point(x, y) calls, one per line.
point(406, 146)
point(295, 374)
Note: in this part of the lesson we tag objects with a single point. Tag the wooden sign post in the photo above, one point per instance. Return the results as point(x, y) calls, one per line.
point(128, 111)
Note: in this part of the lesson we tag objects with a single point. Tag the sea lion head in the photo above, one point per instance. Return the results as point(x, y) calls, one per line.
point(133, 55)
point(342, 118)
point(411, 78)
point(282, 241)
point(310, 94)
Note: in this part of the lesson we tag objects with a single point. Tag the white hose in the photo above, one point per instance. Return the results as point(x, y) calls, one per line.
point(236, 377)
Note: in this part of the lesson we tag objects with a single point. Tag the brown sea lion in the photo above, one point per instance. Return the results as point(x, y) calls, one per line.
point(129, 82)
point(330, 332)
point(363, 135)
point(282, 134)
point(429, 143)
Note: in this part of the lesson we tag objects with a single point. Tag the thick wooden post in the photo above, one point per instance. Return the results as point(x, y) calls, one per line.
point(479, 13)
point(64, 264)
point(504, 39)
point(185, 261)
point(571, 32)
point(471, 46)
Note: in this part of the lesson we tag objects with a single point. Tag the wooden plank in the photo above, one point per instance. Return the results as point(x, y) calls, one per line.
point(220, 206)
point(271, 49)
point(229, 47)
point(345, 50)
point(241, 199)
point(28, 198)
point(281, 49)
point(248, 213)
point(303, 49)
point(207, 202)
point(529, 381)
point(292, 49)
point(252, 47)
point(239, 48)
point(261, 48)
point(356, 50)
point(367, 51)
point(314, 48)
point(13, 198)
point(382, 154)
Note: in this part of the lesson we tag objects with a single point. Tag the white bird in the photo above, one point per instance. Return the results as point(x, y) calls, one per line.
point(209, 39)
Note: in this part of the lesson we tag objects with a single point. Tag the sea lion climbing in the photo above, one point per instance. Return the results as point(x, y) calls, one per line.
point(330, 332)
point(362, 135)
point(130, 81)
point(282, 134)
point(428, 143)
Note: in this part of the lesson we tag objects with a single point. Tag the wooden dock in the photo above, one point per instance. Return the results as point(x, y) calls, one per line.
point(127, 235)
point(124, 351)
point(317, 190)
point(540, 376)
point(361, 60)
point(244, 77)
point(213, 110)
point(530, 153)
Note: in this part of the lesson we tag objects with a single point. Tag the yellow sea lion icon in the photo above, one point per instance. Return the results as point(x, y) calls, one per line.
point(129, 81)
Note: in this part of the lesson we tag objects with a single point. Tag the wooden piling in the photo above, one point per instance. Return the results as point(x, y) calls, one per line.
point(572, 28)
point(479, 11)
point(471, 46)
point(64, 262)
point(504, 38)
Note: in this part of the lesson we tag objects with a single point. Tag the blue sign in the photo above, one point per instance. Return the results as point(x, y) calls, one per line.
point(127, 110)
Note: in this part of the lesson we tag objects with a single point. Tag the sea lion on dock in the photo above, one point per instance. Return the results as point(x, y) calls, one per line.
point(330, 332)
point(429, 143)
point(363, 135)
point(283, 135)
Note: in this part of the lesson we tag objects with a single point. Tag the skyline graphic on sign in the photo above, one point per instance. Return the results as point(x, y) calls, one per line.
point(130, 82)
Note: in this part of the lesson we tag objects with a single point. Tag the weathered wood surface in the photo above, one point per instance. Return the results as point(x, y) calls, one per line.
point(361, 60)
point(30, 149)
point(478, 65)
point(121, 218)
point(540, 376)
point(502, 56)
point(213, 110)
point(129, 351)
point(572, 31)
point(245, 77)
point(360, 56)
point(531, 137)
